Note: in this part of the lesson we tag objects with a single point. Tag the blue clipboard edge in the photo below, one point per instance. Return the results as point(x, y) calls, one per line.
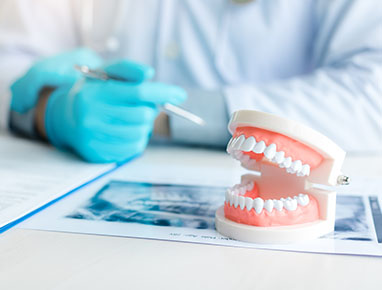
point(28, 215)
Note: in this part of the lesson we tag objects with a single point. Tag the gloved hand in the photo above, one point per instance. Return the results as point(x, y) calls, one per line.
point(108, 121)
point(103, 121)
point(50, 72)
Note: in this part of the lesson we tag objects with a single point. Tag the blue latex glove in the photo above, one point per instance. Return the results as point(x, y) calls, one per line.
point(54, 72)
point(109, 121)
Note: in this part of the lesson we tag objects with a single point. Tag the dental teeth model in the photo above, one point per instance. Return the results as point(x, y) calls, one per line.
point(281, 204)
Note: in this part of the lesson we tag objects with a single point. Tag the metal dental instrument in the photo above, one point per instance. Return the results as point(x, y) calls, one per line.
point(168, 108)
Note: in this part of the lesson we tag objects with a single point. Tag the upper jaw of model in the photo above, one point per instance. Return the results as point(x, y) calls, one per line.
point(289, 159)
point(242, 147)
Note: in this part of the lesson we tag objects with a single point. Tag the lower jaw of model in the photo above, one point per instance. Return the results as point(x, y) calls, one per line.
point(243, 204)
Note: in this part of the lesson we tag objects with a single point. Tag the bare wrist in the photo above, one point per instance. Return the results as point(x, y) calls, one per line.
point(40, 111)
point(162, 126)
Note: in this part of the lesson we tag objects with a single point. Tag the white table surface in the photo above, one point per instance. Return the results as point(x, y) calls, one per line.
point(32, 259)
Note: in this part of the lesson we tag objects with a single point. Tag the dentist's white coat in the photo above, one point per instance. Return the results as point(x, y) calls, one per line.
point(315, 61)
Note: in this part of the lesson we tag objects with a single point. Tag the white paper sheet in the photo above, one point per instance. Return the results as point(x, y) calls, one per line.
point(33, 174)
point(178, 204)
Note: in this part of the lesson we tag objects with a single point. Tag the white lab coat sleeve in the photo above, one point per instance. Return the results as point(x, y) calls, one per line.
point(30, 30)
point(342, 96)
point(211, 107)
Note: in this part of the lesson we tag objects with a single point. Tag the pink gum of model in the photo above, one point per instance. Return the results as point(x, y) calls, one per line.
point(294, 149)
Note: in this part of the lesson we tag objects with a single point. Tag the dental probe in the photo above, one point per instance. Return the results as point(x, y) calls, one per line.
point(168, 108)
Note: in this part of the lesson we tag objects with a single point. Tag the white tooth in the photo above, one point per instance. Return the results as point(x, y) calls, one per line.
point(290, 170)
point(242, 202)
point(303, 199)
point(308, 170)
point(279, 157)
point(235, 189)
point(290, 204)
point(243, 190)
point(270, 152)
point(305, 170)
point(286, 163)
point(235, 200)
point(258, 204)
point(278, 204)
point(234, 141)
point(296, 166)
point(238, 154)
point(244, 158)
point(231, 148)
point(238, 143)
point(259, 147)
point(300, 201)
point(268, 205)
point(231, 198)
point(227, 195)
point(250, 186)
point(306, 200)
point(249, 203)
point(248, 144)
point(229, 145)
